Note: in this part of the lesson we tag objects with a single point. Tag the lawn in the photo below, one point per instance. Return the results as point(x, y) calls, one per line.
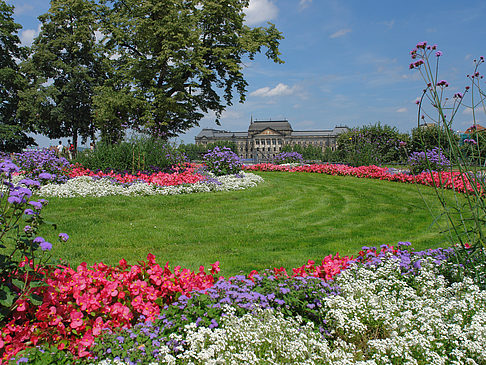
point(289, 219)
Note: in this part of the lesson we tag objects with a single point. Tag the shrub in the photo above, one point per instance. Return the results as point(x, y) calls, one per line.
point(142, 154)
point(195, 151)
point(372, 145)
point(287, 157)
point(431, 160)
point(430, 136)
point(222, 161)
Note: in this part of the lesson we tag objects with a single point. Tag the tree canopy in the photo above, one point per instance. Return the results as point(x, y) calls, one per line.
point(176, 60)
point(66, 65)
point(12, 133)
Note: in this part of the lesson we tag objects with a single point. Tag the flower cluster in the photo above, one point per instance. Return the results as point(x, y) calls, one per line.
point(390, 305)
point(446, 179)
point(287, 157)
point(431, 160)
point(78, 304)
point(222, 161)
point(44, 165)
point(89, 186)
point(181, 175)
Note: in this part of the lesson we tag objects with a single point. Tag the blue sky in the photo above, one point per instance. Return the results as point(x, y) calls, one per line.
point(346, 62)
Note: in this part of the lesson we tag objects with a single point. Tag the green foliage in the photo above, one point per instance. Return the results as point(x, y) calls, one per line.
point(430, 136)
point(138, 154)
point(309, 152)
point(176, 60)
point(67, 55)
point(194, 152)
point(372, 145)
point(13, 137)
point(474, 148)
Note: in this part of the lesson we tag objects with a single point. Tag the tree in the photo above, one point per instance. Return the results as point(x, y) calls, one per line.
point(427, 137)
point(12, 133)
point(66, 65)
point(176, 60)
point(372, 145)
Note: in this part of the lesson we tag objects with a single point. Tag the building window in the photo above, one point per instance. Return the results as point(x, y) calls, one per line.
point(257, 141)
point(263, 142)
point(274, 141)
point(268, 141)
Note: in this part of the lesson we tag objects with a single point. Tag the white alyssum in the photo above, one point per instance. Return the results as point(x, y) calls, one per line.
point(87, 186)
point(423, 319)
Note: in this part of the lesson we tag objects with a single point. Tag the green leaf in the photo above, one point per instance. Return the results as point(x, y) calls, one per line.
point(35, 299)
point(37, 284)
point(7, 296)
point(19, 284)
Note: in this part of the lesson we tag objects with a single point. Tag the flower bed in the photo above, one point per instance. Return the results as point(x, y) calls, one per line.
point(455, 180)
point(77, 305)
point(389, 305)
point(93, 186)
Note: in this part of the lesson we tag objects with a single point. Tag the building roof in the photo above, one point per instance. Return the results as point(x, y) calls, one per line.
point(277, 125)
point(312, 133)
point(475, 128)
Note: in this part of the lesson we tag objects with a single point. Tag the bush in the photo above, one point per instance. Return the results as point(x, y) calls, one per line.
point(287, 157)
point(195, 151)
point(142, 154)
point(432, 160)
point(430, 136)
point(372, 145)
point(222, 161)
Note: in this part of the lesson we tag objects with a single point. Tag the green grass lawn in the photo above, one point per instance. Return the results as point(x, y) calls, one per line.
point(289, 219)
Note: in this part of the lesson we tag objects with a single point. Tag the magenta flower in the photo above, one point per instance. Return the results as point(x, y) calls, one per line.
point(438, 53)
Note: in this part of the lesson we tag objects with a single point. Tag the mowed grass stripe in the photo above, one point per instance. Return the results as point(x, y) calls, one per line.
point(291, 218)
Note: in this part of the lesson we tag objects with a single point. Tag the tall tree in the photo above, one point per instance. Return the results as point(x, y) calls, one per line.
point(13, 137)
point(176, 60)
point(66, 65)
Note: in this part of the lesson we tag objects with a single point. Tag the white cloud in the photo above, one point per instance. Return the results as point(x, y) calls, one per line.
point(389, 24)
point(279, 90)
point(260, 11)
point(304, 3)
point(27, 36)
point(340, 33)
point(401, 110)
point(22, 9)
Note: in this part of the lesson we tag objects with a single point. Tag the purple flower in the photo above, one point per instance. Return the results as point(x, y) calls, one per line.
point(438, 53)
point(45, 176)
point(27, 229)
point(14, 199)
point(36, 205)
point(63, 236)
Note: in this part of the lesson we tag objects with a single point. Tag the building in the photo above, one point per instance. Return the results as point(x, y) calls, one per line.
point(265, 138)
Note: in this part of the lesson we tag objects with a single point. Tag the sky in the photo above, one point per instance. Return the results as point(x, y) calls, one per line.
point(346, 62)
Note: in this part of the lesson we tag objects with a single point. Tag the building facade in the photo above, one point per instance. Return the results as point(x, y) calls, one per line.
point(264, 139)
